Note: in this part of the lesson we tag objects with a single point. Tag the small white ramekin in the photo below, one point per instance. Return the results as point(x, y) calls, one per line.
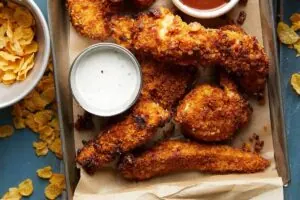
point(205, 14)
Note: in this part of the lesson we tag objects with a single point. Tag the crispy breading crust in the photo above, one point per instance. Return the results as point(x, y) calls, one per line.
point(165, 84)
point(162, 89)
point(210, 113)
point(135, 130)
point(90, 17)
point(175, 155)
point(167, 38)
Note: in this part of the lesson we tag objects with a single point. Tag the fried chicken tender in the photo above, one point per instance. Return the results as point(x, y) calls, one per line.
point(174, 155)
point(135, 130)
point(162, 89)
point(210, 113)
point(165, 84)
point(167, 38)
point(91, 17)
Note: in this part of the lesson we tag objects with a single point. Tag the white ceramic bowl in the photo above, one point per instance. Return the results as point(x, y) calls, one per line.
point(12, 94)
point(205, 14)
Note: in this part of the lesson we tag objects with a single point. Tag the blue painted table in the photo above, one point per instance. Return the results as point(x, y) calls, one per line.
point(289, 64)
point(19, 147)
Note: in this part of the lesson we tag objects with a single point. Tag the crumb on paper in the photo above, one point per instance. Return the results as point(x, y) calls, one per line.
point(254, 144)
point(241, 18)
point(84, 122)
point(265, 128)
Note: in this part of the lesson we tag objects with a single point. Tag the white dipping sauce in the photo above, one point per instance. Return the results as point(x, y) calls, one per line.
point(106, 81)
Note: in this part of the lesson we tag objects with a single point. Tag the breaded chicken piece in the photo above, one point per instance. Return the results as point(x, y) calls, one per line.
point(167, 38)
point(174, 156)
point(90, 17)
point(135, 130)
point(165, 84)
point(162, 89)
point(210, 113)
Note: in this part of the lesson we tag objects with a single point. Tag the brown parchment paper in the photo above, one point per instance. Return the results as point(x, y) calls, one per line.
point(107, 184)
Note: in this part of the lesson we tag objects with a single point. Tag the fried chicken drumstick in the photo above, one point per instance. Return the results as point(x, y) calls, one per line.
point(167, 38)
point(175, 155)
point(210, 113)
point(162, 88)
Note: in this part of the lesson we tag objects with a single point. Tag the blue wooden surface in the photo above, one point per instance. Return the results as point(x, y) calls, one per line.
point(17, 157)
point(289, 64)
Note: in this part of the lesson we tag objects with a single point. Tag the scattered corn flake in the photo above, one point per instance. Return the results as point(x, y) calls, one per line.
point(43, 117)
point(45, 172)
point(286, 34)
point(12, 194)
point(41, 148)
point(39, 145)
point(297, 48)
point(42, 152)
point(295, 17)
point(54, 124)
point(55, 147)
point(47, 134)
point(6, 131)
point(52, 191)
point(48, 94)
point(58, 179)
point(295, 82)
point(19, 123)
point(26, 188)
point(30, 123)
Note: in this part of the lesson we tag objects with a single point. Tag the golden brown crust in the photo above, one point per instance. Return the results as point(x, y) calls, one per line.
point(162, 89)
point(165, 84)
point(135, 130)
point(167, 38)
point(90, 17)
point(175, 155)
point(209, 113)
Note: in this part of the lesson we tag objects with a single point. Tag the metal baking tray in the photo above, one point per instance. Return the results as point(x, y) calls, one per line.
point(59, 31)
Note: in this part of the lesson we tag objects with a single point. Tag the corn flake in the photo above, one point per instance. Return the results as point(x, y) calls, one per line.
point(55, 147)
point(43, 117)
point(286, 34)
point(58, 179)
point(45, 172)
point(6, 131)
point(295, 82)
point(26, 188)
point(52, 191)
point(12, 194)
point(19, 122)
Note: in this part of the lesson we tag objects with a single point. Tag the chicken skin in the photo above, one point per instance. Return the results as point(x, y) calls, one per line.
point(166, 37)
point(210, 113)
point(176, 156)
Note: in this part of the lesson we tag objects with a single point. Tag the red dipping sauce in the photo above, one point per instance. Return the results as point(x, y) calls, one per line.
point(204, 4)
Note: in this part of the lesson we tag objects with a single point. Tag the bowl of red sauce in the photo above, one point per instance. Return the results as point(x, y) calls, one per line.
point(205, 8)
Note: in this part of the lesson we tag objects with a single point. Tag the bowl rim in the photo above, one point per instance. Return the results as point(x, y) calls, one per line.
point(82, 54)
point(205, 14)
point(45, 58)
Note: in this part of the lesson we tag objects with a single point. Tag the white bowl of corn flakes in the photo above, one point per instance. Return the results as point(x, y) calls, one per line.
point(24, 49)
